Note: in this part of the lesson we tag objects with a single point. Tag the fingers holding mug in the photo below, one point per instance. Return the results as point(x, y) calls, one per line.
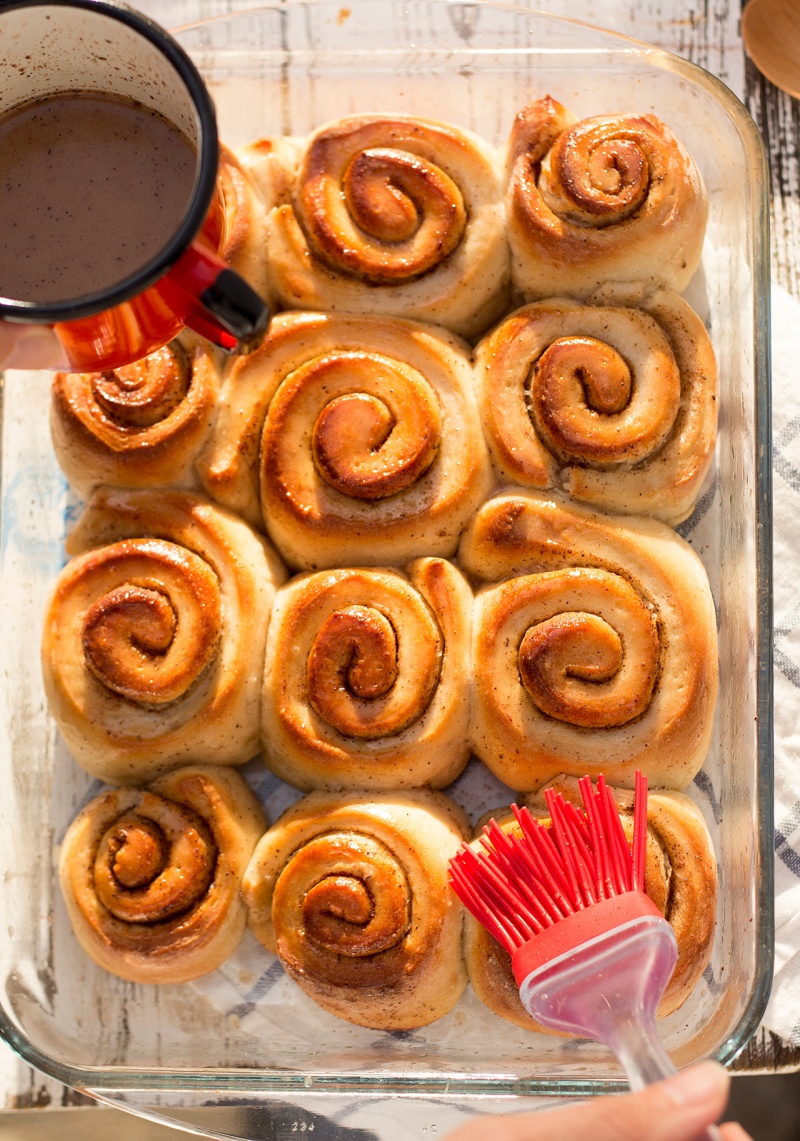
point(29, 346)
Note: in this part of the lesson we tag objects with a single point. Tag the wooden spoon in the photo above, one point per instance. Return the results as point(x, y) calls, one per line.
point(771, 34)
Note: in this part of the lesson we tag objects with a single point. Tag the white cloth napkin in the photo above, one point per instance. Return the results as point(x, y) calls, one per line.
point(783, 1012)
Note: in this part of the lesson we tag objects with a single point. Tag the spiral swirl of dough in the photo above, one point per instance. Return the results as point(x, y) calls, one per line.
point(355, 440)
point(382, 214)
point(154, 624)
point(351, 892)
point(680, 878)
point(615, 404)
point(343, 899)
point(590, 650)
point(395, 216)
point(154, 635)
point(595, 650)
point(140, 425)
point(151, 876)
point(367, 680)
point(369, 443)
point(613, 198)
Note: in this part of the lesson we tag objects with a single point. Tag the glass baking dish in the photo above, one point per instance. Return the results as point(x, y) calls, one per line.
point(285, 70)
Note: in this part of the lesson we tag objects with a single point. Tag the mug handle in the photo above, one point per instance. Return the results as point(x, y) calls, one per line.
point(213, 300)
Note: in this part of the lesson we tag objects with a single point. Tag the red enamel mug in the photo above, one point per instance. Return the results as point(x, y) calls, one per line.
point(49, 48)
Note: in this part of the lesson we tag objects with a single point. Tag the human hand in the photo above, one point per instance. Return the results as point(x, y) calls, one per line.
point(677, 1109)
point(29, 346)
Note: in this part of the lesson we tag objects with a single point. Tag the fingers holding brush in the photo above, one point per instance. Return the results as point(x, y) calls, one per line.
point(678, 1109)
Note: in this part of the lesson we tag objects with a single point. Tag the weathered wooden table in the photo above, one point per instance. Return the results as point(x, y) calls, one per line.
point(708, 33)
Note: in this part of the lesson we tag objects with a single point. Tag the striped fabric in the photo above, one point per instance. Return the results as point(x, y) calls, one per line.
point(783, 1012)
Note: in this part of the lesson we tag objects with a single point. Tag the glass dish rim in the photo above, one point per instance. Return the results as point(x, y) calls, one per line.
point(104, 1082)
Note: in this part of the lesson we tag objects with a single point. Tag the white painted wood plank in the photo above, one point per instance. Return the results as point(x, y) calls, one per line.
point(703, 31)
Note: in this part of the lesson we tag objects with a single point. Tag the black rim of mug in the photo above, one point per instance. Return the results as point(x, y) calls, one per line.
point(202, 193)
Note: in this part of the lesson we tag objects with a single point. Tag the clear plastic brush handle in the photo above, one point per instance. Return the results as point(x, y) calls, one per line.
point(608, 989)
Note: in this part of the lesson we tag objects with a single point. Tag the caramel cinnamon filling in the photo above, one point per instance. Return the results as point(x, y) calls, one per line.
point(375, 207)
point(598, 172)
point(375, 424)
point(154, 863)
point(141, 394)
point(341, 909)
point(590, 654)
point(353, 664)
point(581, 393)
point(155, 620)
point(361, 451)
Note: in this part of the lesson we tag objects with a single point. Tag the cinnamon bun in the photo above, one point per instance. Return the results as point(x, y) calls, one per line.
point(154, 635)
point(351, 892)
point(355, 440)
point(613, 403)
point(594, 651)
point(139, 425)
point(680, 878)
point(396, 216)
point(367, 678)
point(612, 198)
point(151, 876)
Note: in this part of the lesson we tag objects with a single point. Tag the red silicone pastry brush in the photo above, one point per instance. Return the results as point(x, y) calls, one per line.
point(591, 953)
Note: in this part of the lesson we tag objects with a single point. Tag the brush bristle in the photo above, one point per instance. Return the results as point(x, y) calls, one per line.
point(519, 886)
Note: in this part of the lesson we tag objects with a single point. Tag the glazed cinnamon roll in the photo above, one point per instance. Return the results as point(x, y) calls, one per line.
point(614, 404)
point(367, 678)
point(151, 876)
point(594, 651)
point(680, 878)
point(613, 198)
point(154, 635)
point(356, 440)
point(398, 216)
point(351, 892)
point(138, 426)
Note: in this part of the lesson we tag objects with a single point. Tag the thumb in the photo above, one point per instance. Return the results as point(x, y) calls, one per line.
point(677, 1109)
point(29, 346)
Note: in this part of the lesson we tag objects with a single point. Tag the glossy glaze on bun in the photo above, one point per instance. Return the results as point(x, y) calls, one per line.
point(397, 216)
point(367, 678)
point(616, 198)
point(594, 644)
point(151, 876)
point(613, 401)
point(154, 634)
point(355, 441)
point(350, 890)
